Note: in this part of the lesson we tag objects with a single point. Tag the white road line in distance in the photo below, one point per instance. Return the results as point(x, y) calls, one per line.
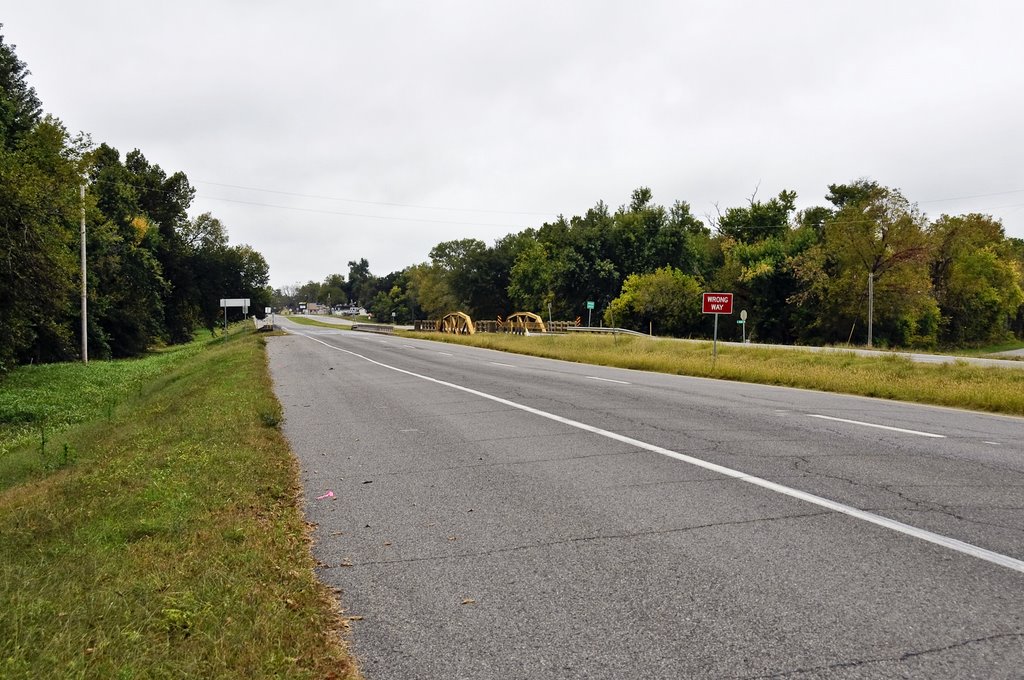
point(493, 363)
point(619, 382)
point(878, 520)
point(993, 443)
point(880, 427)
point(446, 354)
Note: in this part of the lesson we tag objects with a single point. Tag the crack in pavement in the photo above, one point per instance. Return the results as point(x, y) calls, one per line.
point(920, 505)
point(960, 518)
point(598, 537)
point(895, 659)
point(420, 471)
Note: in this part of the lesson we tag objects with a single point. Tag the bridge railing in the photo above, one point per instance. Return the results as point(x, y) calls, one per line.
point(373, 328)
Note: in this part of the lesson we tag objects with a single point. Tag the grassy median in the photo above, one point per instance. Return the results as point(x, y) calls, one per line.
point(155, 531)
point(999, 390)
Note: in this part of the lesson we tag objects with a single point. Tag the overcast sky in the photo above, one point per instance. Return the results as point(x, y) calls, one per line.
point(322, 132)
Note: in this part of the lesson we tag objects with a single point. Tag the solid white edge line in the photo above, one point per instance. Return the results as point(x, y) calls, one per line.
point(619, 382)
point(493, 363)
point(880, 427)
point(923, 534)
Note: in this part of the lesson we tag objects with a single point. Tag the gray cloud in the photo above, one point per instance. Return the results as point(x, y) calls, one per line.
point(532, 107)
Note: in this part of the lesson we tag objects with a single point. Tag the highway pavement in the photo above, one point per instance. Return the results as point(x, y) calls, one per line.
point(489, 515)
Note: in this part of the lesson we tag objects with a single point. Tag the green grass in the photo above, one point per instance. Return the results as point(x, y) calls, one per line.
point(306, 321)
point(993, 349)
point(51, 397)
point(171, 544)
point(998, 390)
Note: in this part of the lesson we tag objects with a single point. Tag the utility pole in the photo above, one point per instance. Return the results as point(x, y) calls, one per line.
point(871, 304)
point(85, 317)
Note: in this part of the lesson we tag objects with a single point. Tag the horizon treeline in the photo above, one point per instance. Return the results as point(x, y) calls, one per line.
point(802, 275)
point(154, 275)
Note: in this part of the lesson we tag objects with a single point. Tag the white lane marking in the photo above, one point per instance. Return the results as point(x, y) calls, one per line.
point(446, 354)
point(900, 527)
point(495, 363)
point(408, 346)
point(993, 443)
point(619, 382)
point(880, 427)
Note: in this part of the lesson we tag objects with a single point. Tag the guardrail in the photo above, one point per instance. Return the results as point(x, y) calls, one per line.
point(373, 328)
point(597, 329)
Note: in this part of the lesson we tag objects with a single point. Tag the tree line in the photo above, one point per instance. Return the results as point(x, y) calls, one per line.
point(154, 274)
point(802, 275)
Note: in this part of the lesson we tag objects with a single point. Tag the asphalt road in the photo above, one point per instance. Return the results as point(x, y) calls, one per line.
point(499, 516)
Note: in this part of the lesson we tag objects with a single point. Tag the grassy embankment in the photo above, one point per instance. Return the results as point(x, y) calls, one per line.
point(306, 321)
point(150, 524)
point(999, 390)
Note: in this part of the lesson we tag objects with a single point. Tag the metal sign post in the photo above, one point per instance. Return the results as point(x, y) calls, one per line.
point(233, 302)
point(716, 303)
point(590, 308)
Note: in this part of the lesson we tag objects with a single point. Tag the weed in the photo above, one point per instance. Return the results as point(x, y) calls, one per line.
point(175, 547)
point(270, 417)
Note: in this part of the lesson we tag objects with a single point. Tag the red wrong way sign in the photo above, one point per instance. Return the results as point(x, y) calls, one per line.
point(718, 303)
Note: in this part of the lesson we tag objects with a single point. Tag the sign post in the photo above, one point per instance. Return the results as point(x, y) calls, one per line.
point(717, 303)
point(743, 324)
point(590, 308)
point(233, 302)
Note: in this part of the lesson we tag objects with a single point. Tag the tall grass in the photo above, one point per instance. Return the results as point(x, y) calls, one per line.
point(172, 545)
point(890, 377)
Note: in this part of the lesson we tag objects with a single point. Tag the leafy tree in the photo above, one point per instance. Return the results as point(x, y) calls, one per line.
point(763, 277)
point(681, 241)
point(428, 291)
point(40, 175)
point(205, 232)
point(20, 108)
point(361, 286)
point(874, 231)
point(532, 277)
point(127, 287)
point(667, 300)
point(334, 290)
point(977, 283)
point(759, 220)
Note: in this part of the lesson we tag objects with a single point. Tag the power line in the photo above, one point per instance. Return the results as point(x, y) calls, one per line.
point(964, 198)
point(356, 200)
point(350, 214)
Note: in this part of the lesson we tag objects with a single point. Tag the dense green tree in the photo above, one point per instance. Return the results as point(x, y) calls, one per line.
point(40, 176)
point(762, 276)
point(976, 281)
point(665, 300)
point(875, 231)
point(153, 273)
point(20, 108)
point(758, 220)
point(428, 292)
point(361, 285)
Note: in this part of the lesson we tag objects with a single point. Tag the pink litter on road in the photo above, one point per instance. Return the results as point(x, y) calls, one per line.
point(329, 494)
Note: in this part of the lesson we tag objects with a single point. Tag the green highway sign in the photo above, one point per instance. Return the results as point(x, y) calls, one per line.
point(590, 304)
